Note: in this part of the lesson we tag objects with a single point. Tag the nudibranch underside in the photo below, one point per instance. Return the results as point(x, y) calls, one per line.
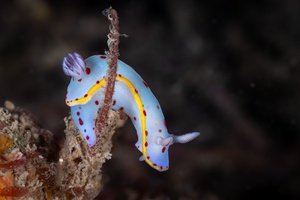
point(132, 95)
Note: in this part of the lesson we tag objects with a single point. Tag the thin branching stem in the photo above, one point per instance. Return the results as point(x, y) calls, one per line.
point(112, 55)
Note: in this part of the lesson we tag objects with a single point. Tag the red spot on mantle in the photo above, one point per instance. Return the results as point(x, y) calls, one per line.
point(80, 121)
point(87, 137)
point(78, 113)
point(87, 70)
point(165, 123)
point(146, 85)
point(97, 102)
point(103, 56)
point(114, 102)
point(163, 149)
point(144, 112)
point(146, 144)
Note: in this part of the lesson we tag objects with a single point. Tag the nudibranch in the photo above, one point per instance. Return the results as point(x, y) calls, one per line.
point(132, 95)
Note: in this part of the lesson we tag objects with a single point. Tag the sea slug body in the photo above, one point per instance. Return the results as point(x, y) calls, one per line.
point(132, 95)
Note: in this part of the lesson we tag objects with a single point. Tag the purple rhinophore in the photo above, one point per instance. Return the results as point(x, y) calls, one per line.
point(74, 65)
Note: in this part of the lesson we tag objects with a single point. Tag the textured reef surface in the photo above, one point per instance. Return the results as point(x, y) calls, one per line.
point(33, 166)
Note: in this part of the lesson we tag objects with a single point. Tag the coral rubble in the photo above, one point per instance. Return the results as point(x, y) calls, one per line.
point(32, 166)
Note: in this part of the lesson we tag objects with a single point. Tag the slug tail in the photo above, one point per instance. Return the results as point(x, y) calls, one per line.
point(185, 138)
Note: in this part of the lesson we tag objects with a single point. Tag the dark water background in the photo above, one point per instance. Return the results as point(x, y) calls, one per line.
point(229, 69)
